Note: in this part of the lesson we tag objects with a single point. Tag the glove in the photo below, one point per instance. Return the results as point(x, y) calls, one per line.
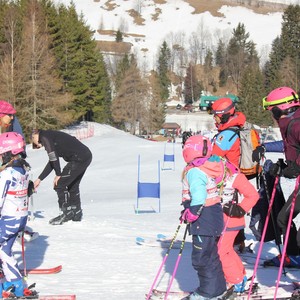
point(188, 217)
point(30, 189)
point(233, 210)
point(276, 169)
point(291, 171)
point(258, 153)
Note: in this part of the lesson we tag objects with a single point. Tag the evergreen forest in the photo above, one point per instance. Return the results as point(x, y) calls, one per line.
point(54, 74)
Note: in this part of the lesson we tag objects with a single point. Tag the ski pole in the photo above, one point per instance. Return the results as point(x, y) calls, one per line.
point(296, 191)
point(177, 262)
point(263, 235)
point(277, 236)
point(163, 262)
point(23, 254)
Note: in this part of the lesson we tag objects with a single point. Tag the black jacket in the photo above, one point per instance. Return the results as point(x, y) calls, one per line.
point(60, 144)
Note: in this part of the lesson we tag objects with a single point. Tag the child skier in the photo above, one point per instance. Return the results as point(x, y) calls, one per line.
point(234, 183)
point(14, 180)
point(203, 212)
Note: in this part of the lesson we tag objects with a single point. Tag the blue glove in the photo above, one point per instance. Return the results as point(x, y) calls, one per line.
point(276, 169)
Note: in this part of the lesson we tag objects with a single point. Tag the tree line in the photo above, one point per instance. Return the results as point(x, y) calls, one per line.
point(54, 75)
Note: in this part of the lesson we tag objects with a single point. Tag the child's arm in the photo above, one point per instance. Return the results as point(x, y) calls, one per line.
point(247, 190)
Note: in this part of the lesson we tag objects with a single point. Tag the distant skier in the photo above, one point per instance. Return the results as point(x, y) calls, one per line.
point(14, 179)
point(66, 182)
point(204, 214)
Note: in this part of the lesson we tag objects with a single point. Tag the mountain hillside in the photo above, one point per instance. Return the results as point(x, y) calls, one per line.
point(145, 24)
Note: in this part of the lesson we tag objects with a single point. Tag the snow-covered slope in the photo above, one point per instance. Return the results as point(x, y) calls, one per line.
point(175, 23)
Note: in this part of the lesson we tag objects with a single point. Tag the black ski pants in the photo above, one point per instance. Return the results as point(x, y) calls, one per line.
point(67, 188)
point(282, 220)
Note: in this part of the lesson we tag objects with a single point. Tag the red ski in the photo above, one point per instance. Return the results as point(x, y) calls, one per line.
point(53, 270)
point(57, 297)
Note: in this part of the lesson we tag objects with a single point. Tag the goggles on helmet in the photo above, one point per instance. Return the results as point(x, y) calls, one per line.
point(289, 99)
point(221, 111)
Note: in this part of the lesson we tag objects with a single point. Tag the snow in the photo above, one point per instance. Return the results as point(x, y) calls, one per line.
point(263, 29)
point(99, 255)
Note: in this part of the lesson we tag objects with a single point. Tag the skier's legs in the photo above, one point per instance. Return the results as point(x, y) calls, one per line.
point(232, 265)
point(206, 262)
point(68, 185)
point(9, 228)
point(282, 220)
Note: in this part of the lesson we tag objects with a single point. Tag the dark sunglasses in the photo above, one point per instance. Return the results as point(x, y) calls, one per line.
point(10, 115)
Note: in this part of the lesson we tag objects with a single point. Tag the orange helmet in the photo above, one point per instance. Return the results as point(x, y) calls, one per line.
point(223, 106)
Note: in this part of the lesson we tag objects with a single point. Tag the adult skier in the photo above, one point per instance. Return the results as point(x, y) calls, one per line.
point(284, 103)
point(66, 182)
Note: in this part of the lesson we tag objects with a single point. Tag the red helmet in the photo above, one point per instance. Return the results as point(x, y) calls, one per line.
point(196, 146)
point(223, 106)
point(282, 97)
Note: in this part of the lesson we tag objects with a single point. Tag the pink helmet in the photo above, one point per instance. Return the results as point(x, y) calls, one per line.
point(223, 106)
point(11, 142)
point(282, 97)
point(196, 146)
point(6, 108)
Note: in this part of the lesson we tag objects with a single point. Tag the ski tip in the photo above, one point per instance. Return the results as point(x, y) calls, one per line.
point(139, 240)
point(161, 236)
point(53, 270)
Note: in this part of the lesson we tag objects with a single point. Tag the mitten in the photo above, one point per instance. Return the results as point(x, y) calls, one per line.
point(188, 217)
point(292, 171)
point(276, 169)
point(258, 153)
point(233, 210)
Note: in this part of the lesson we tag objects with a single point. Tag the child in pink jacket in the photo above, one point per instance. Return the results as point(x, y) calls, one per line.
point(238, 197)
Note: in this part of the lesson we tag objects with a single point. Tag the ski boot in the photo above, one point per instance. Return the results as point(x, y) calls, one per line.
point(291, 261)
point(69, 212)
point(295, 294)
point(16, 290)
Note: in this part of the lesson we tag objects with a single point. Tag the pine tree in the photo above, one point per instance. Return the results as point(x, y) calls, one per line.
point(128, 107)
point(81, 66)
point(163, 70)
point(156, 112)
point(39, 99)
point(240, 53)
point(251, 94)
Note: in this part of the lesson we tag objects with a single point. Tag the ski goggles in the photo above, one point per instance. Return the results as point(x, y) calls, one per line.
point(219, 112)
point(290, 99)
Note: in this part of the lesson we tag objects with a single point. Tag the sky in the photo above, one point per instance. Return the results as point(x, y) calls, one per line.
point(263, 29)
point(100, 257)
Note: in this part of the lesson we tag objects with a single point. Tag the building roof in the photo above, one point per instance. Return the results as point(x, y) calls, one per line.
point(171, 126)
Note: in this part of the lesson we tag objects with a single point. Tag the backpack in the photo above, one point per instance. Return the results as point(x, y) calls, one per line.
point(249, 140)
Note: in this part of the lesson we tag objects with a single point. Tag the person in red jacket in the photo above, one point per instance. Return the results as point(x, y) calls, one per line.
point(227, 142)
point(235, 207)
point(228, 121)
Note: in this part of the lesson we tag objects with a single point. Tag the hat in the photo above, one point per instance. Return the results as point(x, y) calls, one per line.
point(6, 108)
